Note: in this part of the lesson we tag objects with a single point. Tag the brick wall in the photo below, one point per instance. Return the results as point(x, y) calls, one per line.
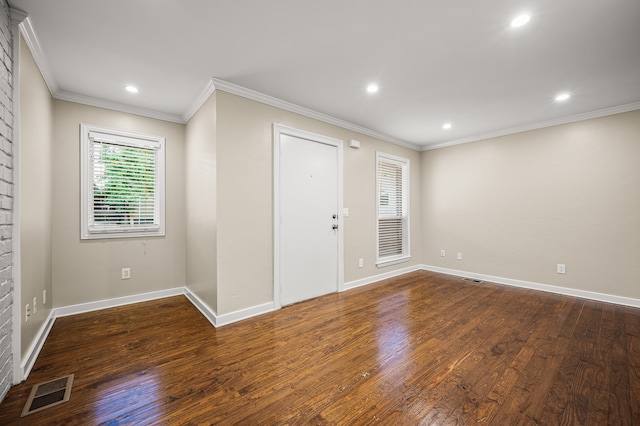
point(6, 197)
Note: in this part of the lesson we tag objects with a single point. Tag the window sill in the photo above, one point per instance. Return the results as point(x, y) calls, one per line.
point(120, 234)
point(388, 262)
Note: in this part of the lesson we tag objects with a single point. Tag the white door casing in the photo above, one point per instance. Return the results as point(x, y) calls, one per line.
point(307, 195)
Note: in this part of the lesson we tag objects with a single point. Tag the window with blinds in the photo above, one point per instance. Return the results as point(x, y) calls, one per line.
point(122, 184)
point(392, 201)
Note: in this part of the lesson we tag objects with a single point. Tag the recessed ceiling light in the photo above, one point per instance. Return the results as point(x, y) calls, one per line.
point(447, 126)
point(131, 89)
point(520, 20)
point(372, 88)
point(562, 97)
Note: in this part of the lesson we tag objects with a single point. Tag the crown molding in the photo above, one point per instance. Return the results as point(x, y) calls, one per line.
point(234, 89)
point(31, 39)
point(116, 106)
point(199, 101)
point(17, 15)
point(540, 125)
point(20, 18)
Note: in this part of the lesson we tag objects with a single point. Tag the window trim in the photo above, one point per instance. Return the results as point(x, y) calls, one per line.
point(137, 140)
point(406, 243)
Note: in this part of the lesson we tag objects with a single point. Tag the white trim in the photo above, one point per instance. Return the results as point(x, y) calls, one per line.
point(242, 314)
point(231, 317)
point(116, 106)
point(36, 346)
point(88, 133)
point(29, 34)
point(116, 301)
point(18, 19)
point(376, 278)
point(199, 101)
point(234, 89)
point(405, 163)
point(201, 306)
point(584, 294)
point(394, 261)
point(278, 131)
point(31, 39)
point(539, 125)
point(32, 353)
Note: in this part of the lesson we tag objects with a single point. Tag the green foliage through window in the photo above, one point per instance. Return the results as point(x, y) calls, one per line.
point(123, 185)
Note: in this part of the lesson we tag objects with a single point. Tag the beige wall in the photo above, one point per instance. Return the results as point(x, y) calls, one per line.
point(517, 205)
point(201, 255)
point(245, 199)
point(89, 270)
point(35, 168)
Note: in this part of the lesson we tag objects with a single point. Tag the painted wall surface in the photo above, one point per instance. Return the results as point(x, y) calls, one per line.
point(245, 199)
point(518, 205)
point(90, 270)
point(36, 172)
point(201, 254)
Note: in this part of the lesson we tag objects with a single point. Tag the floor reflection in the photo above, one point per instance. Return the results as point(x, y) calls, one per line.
point(117, 399)
point(393, 327)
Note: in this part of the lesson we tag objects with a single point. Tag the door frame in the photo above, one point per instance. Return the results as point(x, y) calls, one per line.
point(278, 131)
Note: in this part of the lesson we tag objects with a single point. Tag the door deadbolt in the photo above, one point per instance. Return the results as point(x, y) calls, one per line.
point(335, 216)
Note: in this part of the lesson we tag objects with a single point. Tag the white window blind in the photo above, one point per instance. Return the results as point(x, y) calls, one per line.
point(122, 184)
point(392, 208)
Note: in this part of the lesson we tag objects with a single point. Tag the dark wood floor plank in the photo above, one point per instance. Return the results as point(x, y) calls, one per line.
point(613, 349)
point(632, 325)
point(577, 394)
point(422, 348)
point(526, 345)
point(444, 347)
point(453, 395)
point(527, 396)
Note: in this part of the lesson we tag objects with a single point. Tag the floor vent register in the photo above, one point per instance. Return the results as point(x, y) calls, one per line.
point(48, 394)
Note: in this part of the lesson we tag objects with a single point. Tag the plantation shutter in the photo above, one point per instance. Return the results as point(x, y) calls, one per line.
point(124, 184)
point(392, 208)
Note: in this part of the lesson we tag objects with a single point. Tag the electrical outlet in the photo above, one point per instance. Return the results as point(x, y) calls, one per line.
point(126, 273)
point(27, 313)
point(360, 263)
point(561, 268)
point(35, 303)
point(44, 297)
point(459, 256)
point(442, 253)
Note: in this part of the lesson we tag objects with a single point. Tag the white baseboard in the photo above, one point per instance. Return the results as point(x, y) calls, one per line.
point(601, 297)
point(29, 358)
point(36, 346)
point(243, 314)
point(375, 278)
point(116, 301)
point(231, 317)
point(202, 307)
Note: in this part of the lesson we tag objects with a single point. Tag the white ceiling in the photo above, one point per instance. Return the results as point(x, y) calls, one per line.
point(435, 61)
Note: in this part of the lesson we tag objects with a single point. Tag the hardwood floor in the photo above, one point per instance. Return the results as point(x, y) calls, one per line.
point(423, 348)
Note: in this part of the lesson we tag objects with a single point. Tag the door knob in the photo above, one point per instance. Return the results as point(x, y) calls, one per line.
point(334, 227)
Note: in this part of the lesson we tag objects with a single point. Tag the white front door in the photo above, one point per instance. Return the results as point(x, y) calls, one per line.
point(309, 207)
